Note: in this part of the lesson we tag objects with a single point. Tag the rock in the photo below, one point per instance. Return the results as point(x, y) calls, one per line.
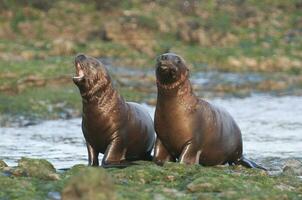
point(132, 35)
point(14, 171)
point(269, 85)
point(234, 63)
point(62, 46)
point(199, 187)
point(293, 168)
point(151, 101)
point(170, 178)
point(191, 33)
point(284, 187)
point(38, 168)
point(173, 192)
point(2, 164)
point(227, 194)
point(75, 169)
point(78, 167)
point(89, 184)
point(159, 197)
point(28, 55)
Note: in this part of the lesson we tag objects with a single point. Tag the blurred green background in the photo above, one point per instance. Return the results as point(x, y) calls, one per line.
point(39, 39)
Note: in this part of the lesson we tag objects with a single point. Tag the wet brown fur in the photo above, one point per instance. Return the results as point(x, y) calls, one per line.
point(120, 130)
point(189, 129)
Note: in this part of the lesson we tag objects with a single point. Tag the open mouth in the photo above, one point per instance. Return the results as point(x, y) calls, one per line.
point(164, 68)
point(79, 72)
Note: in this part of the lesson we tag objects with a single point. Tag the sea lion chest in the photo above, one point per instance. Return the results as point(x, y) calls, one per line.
point(99, 129)
point(174, 126)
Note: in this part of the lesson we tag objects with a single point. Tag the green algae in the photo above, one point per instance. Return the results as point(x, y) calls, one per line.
point(189, 182)
point(16, 188)
point(89, 183)
point(149, 181)
point(2, 164)
point(38, 168)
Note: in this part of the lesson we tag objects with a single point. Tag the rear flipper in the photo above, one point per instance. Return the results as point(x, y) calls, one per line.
point(148, 156)
point(248, 163)
point(120, 165)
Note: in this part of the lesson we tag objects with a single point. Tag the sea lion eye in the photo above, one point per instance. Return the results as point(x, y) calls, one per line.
point(177, 60)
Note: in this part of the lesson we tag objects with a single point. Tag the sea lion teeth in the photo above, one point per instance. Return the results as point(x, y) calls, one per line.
point(164, 67)
point(79, 77)
point(79, 72)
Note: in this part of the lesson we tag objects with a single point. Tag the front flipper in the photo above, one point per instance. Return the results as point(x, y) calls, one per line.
point(161, 155)
point(115, 154)
point(93, 155)
point(189, 154)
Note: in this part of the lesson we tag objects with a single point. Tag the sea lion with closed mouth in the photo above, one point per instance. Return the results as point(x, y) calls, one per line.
point(120, 130)
point(190, 129)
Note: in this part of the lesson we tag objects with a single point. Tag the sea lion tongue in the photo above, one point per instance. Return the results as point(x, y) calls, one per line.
point(79, 68)
point(79, 72)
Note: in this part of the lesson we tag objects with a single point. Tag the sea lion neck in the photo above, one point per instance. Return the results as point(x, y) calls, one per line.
point(99, 94)
point(180, 88)
point(182, 95)
point(103, 106)
point(173, 86)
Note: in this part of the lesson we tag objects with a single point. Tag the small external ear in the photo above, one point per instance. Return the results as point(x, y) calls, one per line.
point(158, 58)
point(80, 58)
point(188, 71)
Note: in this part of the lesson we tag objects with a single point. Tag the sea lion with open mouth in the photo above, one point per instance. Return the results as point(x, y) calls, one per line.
point(120, 130)
point(190, 129)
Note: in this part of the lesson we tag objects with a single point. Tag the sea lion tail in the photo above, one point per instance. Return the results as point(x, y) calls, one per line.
point(249, 164)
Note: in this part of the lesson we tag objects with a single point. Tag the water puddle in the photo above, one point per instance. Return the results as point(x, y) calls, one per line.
point(271, 128)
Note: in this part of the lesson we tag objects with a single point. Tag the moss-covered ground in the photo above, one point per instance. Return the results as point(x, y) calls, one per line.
point(146, 181)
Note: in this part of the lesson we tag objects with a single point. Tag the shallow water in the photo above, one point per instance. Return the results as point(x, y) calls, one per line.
point(271, 128)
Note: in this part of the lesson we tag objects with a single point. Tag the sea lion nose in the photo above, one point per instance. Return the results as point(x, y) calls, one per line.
point(80, 58)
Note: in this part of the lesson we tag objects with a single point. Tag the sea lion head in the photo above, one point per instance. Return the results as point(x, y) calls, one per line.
point(91, 75)
point(170, 69)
